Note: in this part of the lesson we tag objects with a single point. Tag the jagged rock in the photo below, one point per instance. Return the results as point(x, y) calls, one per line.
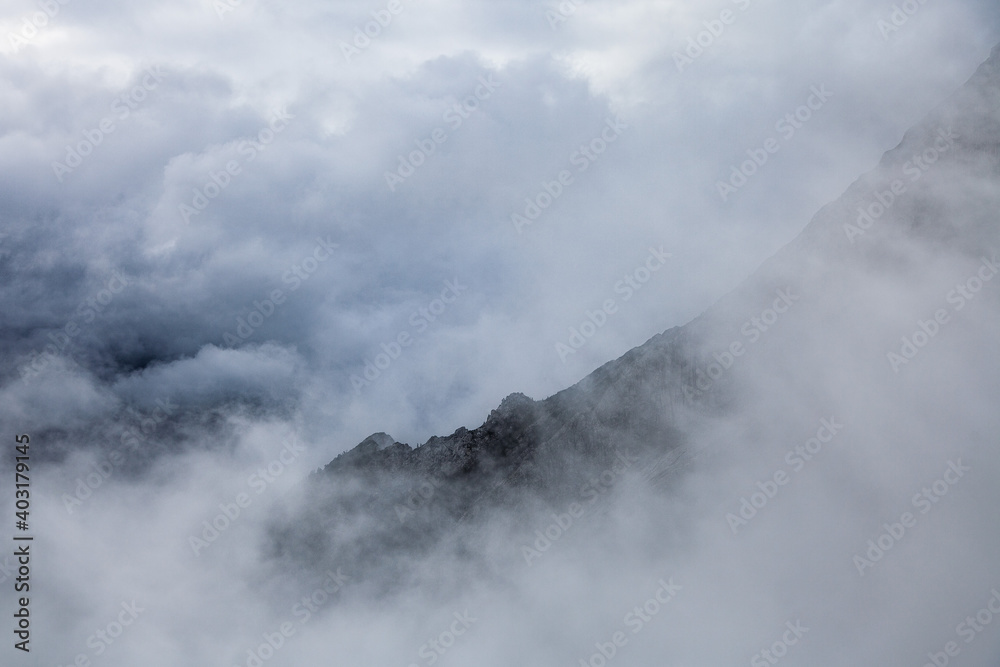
point(644, 402)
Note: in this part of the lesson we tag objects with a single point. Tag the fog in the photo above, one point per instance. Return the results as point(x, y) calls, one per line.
point(248, 274)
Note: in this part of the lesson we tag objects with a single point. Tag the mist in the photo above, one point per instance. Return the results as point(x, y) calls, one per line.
point(678, 321)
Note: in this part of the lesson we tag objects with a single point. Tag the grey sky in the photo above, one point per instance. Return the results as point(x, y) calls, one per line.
point(254, 117)
point(323, 175)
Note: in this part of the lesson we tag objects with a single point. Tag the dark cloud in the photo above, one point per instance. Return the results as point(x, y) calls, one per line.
point(171, 351)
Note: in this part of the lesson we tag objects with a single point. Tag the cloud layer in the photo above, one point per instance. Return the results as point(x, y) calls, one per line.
point(227, 222)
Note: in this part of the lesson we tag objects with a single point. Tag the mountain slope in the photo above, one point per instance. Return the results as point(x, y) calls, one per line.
point(929, 206)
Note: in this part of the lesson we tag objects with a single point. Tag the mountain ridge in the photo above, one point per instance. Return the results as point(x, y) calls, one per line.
point(647, 404)
point(821, 227)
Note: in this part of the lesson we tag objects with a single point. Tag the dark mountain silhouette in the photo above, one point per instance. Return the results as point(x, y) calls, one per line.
point(383, 500)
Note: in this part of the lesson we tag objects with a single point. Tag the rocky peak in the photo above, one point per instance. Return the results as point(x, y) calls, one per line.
point(380, 440)
point(514, 405)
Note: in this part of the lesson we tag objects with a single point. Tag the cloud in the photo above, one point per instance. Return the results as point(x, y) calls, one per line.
point(304, 266)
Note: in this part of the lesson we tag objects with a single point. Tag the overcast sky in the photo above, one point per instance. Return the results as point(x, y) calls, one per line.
point(222, 73)
point(256, 214)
